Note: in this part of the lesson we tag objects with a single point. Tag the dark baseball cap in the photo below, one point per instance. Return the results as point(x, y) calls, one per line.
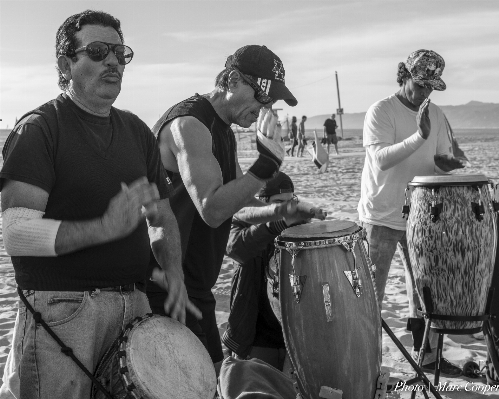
point(266, 67)
point(426, 67)
point(280, 184)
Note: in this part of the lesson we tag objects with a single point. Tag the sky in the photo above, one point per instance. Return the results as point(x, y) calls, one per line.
point(180, 47)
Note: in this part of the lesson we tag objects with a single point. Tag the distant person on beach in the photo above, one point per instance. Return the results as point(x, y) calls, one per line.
point(301, 137)
point(294, 136)
point(84, 199)
point(405, 136)
point(198, 151)
point(253, 330)
point(330, 127)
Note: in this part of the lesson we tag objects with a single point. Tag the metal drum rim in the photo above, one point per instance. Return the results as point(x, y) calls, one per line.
point(324, 243)
point(449, 180)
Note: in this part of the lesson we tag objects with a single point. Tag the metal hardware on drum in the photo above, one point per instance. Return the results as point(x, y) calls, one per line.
point(406, 208)
point(353, 275)
point(327, 302)
point(435, 209)
point(297, 282)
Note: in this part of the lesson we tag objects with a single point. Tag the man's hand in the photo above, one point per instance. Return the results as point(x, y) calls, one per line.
point(423, 119)
point(177, 301)
point(448, 162)
point(130, 207)
point(268, 144)
point(269, 134)
point(296, 212)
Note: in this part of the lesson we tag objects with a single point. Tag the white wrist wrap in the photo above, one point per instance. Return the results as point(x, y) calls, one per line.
point(25, 233)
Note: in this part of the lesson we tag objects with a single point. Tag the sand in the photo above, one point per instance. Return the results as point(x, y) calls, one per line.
point(336, 191)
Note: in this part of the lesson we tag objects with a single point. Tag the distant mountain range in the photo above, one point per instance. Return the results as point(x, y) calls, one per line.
point(474, 115)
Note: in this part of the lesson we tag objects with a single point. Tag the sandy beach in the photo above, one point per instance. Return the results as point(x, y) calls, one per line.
point(337, 191)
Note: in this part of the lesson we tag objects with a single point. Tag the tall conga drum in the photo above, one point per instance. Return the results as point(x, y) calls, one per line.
point(330, 316)
point(451, 238)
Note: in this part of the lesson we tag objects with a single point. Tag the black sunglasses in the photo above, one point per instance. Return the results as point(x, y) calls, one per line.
point(260, 95)
point(98, 51)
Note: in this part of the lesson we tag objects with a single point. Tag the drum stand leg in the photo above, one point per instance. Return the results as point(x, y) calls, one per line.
point(429, 316)
point(420, 374)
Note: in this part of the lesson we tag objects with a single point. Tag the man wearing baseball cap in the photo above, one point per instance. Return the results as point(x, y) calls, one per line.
point(405, 136)
point(198, 151)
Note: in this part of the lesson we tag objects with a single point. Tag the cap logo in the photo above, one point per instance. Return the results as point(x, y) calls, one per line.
point(264, 84)
point(278, 70)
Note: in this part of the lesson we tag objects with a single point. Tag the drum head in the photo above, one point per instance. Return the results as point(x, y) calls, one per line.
point(449, 180)
point(326, 229)
point(166, 360)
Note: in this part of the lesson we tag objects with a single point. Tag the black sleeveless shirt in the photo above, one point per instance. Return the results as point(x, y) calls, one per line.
point(203, 247)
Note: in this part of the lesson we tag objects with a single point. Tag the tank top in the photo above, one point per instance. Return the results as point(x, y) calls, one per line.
point(203, 247)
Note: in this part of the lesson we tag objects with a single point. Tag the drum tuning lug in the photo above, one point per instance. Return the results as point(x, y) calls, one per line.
point(349, 245)
point(478, 209)
point(405, 211)
point(297, 283)
point(435, 210)
point(354, 280)
point(406, 208)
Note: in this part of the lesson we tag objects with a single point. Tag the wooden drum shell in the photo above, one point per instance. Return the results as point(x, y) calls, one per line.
point(344, 353)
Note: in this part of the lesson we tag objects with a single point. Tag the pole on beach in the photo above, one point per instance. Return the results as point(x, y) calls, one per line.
point(339, 111)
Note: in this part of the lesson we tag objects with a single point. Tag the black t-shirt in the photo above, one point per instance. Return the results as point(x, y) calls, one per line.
point(203, 247)
point(331, 126)
point(81, 160)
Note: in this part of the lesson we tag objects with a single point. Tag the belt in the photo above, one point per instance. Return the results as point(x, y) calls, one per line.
point(122, 288)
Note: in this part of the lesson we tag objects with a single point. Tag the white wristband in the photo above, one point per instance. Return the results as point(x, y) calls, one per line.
point(26, 233)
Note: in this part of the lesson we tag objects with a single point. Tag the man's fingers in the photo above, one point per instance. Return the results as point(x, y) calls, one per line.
point(138, 182)
point(263, 120)
point(175, 310)
point(271, 125)
point(193, 310)
point(277, 134)
point(158, 276)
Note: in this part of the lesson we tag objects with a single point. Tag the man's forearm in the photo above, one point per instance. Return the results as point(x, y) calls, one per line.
point(73, 236)
point(229, 199)
point(257, 212)
point(387, 156)
point(165, 241)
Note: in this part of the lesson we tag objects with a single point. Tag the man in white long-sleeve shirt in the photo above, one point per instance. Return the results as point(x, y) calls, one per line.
point(405, 136)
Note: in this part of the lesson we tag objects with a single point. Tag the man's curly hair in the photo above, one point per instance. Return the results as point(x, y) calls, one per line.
point(402, 74)
point(65, 41)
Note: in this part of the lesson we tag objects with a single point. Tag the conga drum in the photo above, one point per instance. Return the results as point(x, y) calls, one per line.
point(451, 238)
point(330, 316)
point(156, 357)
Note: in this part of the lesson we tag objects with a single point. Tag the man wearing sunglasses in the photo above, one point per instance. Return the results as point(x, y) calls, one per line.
point(198, 150)
point(84, 198)
point(405, 135)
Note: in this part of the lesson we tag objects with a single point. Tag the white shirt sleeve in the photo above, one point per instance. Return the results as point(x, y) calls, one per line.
point(386, 156)
point(26, 233)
